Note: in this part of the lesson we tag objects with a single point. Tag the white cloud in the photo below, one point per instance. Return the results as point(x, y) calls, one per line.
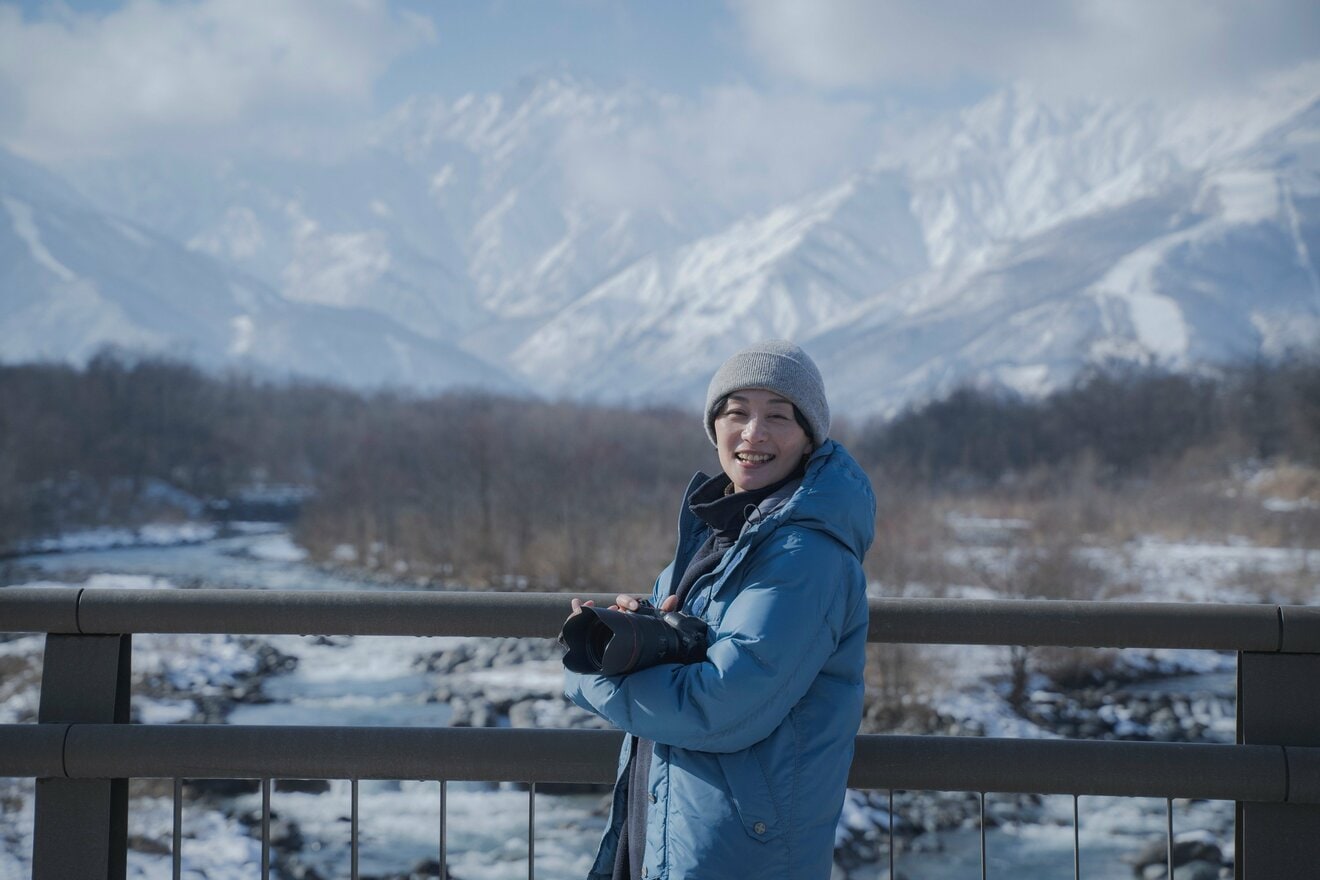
point(154, 72)
point(747, 142)
point(745, 148)
point(1092, 47)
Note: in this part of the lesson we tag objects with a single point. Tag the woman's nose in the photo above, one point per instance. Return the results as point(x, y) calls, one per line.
point(755, 428)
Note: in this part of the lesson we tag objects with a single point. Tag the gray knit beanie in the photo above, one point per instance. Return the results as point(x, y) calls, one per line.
point(779, 366)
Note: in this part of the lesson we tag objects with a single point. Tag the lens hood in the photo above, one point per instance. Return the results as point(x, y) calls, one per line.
point(609, 642)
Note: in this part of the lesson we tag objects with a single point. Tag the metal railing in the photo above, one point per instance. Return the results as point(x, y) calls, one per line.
point(82, 750)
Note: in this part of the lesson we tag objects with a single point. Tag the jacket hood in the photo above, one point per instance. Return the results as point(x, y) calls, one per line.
point(834, 497)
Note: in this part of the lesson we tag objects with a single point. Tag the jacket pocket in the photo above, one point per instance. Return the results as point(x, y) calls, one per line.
point(749, 787)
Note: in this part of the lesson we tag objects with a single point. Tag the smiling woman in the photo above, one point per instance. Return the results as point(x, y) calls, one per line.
point(739, 753)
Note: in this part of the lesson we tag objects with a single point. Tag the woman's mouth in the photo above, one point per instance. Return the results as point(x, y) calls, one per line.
point(753, 457)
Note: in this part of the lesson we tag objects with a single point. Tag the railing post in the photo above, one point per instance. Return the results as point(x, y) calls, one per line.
point(1278, 705)
point(81, 825)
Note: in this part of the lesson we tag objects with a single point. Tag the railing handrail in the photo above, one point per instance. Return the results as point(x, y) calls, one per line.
point(1209, 626)
point(1248, 773)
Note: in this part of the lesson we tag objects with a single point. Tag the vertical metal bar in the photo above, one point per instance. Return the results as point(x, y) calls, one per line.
point(444, 843)
point(265, 829)
point(1077, 842)
point(178, 828)
point(982, 794)
point(1238, 848)
point(531, 831)
point(353, 830)
point(1168, 838)
point(891, 834)
point(80, 826)
point(1278, 839)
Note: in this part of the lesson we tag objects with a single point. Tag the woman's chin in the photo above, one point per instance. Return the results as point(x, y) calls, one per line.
point(747, 479)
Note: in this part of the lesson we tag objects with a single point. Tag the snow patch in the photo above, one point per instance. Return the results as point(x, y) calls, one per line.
point(276, 548)
point(240, 342)
point(441, 179)
point(1245, 195)
point(154, 535)
point(20, 214)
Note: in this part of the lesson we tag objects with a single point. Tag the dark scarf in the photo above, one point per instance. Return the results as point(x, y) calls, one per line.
point(726, 513)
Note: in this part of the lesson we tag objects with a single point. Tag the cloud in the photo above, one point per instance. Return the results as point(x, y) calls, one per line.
point(743, 148)
point(745, 141)
point(1088, 47)
point(157, 72)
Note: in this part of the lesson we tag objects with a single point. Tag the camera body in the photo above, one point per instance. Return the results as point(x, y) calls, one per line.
point(607, 641)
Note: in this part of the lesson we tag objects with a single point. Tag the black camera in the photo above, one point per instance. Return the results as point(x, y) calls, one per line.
point(610, 642)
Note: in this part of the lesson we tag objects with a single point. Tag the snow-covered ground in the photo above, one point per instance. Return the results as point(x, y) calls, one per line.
point(108, 538)
point(405, 681)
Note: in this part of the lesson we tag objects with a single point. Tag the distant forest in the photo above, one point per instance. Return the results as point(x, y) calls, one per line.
point(476, 489)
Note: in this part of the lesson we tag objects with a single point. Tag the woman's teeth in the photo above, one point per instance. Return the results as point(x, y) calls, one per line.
point(754, 457)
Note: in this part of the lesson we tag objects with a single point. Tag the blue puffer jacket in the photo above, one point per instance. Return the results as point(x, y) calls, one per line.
point(753, 745)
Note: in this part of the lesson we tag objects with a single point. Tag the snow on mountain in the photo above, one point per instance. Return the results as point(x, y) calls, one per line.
point(1012, 246)
point(472, 218)
point(543, 232)
point(359, 233)
point(75, 280)
point(545, 181)
point(655, 328)
point(1210, 265)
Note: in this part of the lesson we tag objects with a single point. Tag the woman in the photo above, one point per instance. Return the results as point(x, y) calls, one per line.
point(737, 765)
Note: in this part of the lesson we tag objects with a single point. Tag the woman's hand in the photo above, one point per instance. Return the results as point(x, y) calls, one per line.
point(624, 602)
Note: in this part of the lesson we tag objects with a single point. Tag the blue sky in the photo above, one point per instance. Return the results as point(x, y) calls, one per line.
point(105, 77)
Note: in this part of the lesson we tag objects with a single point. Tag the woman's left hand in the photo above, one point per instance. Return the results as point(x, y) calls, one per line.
point(623, 602)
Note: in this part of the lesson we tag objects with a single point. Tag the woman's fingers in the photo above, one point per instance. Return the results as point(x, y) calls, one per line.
point(578, 605)
point(624, 602)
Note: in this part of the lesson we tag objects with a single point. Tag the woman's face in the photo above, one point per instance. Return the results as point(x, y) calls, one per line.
point(759, 440)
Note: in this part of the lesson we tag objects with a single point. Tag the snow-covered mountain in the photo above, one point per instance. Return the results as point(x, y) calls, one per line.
point(662, 324)
point(472, 219)
point(74, 279)
point(1011, 243)
point(1011, 246)
point(1199, 248)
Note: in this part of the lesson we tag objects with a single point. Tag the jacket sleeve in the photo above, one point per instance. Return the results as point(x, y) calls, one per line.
point(773, 639)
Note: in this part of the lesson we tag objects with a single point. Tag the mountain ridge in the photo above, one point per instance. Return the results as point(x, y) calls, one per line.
point(1012, 243)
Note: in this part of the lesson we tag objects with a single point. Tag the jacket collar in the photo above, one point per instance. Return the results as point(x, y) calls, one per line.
point(728, 512)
